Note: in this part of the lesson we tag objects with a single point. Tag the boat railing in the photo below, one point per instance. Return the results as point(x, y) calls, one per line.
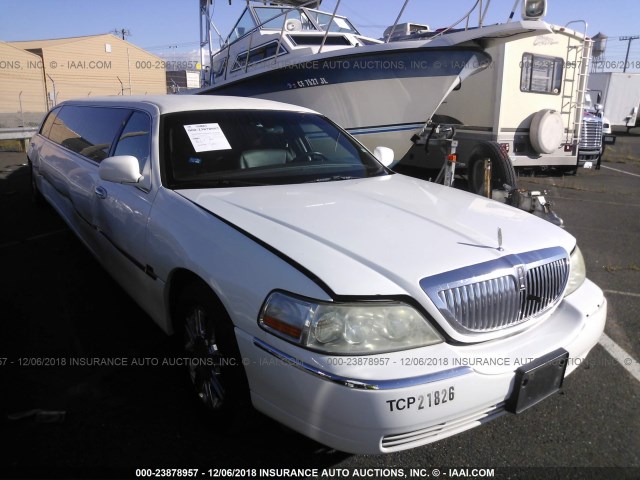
point(326, 33)
point(284, 14)
point(482, 12)
point(259, 26)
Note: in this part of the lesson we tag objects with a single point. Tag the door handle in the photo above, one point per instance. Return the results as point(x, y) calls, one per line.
point(100, 192)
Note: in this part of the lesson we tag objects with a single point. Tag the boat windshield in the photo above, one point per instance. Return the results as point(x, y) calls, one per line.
point(244, 25)
point(238, 148)
point(339, 24)
point(266, 17)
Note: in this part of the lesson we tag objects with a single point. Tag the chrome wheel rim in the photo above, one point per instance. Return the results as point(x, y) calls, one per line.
point(205, 359)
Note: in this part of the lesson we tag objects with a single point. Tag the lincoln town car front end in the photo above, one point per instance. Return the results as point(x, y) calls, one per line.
point(370, 311)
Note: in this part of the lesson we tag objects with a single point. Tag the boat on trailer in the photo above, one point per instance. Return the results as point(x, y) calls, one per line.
point(382, 92)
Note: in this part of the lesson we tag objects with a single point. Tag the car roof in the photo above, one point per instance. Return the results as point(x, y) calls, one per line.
point(180, 103)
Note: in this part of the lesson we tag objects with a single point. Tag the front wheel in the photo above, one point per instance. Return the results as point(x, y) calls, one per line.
point(215, 366)
point(502, 171)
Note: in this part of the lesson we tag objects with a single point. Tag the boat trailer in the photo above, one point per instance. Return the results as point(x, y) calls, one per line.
point(442, 136)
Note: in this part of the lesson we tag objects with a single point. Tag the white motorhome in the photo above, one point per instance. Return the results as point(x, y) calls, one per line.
point(619, 94)
point(530, 101)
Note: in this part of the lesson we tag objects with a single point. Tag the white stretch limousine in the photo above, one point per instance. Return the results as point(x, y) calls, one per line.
point(368, 310)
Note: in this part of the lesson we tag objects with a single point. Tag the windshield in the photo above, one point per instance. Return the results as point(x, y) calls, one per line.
point(222, 148)
point(339, 24)
point(266, 17)
point(243, 26)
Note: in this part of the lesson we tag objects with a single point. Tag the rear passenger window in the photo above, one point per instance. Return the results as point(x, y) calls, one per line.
point(135, 139)
point(46, 126)
point(89, 131)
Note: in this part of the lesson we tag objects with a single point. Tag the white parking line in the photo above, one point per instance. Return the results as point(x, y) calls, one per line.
point(621, 171)
point(629, 363)
point(616, 292)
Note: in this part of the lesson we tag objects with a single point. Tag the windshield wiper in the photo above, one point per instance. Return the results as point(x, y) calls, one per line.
point(333, 178)
point(216, 183)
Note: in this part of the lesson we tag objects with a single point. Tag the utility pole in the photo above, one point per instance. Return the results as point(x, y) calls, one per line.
point(626, 58)
point(124, 32)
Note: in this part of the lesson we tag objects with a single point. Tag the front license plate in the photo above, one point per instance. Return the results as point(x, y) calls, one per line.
point(538, 380)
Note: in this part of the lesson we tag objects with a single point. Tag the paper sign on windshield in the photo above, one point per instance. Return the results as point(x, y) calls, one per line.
point(206, 137)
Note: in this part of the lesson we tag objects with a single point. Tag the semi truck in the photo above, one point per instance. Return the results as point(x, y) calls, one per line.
point(619, 95)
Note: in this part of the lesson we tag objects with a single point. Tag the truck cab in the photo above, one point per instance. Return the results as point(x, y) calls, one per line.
point(596, 131)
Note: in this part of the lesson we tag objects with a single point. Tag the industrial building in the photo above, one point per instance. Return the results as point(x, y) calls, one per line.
point(76, 67)
point(23, 95)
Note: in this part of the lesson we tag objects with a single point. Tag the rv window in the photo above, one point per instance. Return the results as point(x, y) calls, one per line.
point(540, 74)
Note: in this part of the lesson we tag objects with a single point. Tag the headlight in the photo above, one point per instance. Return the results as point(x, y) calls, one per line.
point(577, 271)
point(347, 328)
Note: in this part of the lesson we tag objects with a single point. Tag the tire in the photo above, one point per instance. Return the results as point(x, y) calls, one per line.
point(502, 171)
point(215, 367)
point(36, 196)
point(546, 131)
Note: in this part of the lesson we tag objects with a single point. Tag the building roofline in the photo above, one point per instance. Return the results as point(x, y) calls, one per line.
point(61, 40)
point(22, 50)
point(55, 42)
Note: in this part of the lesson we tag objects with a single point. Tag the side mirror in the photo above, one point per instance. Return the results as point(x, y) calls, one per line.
point(598, 107)
point(120, 169)
point(384, 155)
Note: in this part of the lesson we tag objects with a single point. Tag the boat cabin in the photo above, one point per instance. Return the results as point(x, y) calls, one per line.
point(264, 35)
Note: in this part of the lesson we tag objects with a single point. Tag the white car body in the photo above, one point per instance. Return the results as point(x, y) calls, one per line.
point(387, 237)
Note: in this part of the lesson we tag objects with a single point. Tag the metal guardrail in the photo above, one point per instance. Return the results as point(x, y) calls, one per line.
point(17, 133)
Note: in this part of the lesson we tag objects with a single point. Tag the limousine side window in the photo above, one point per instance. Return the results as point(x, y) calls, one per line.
point(135, 139)
point(89, 131)
point(46, 125)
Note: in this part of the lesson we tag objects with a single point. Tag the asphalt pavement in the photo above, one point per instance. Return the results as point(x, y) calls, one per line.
point(87, 421)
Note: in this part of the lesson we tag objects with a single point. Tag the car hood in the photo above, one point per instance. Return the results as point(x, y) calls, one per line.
point(381, 235)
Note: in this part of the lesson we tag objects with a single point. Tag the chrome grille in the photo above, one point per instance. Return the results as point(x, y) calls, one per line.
point(484, 306)
point(439, 431)
point(544, 284)
point(591, 135)
point(501, 293)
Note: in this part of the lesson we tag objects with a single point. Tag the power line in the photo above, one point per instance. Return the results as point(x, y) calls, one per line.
point(626, 58)
point(124, 32)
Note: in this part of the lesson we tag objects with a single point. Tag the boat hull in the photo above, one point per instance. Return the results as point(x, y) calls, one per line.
point(381, 97)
